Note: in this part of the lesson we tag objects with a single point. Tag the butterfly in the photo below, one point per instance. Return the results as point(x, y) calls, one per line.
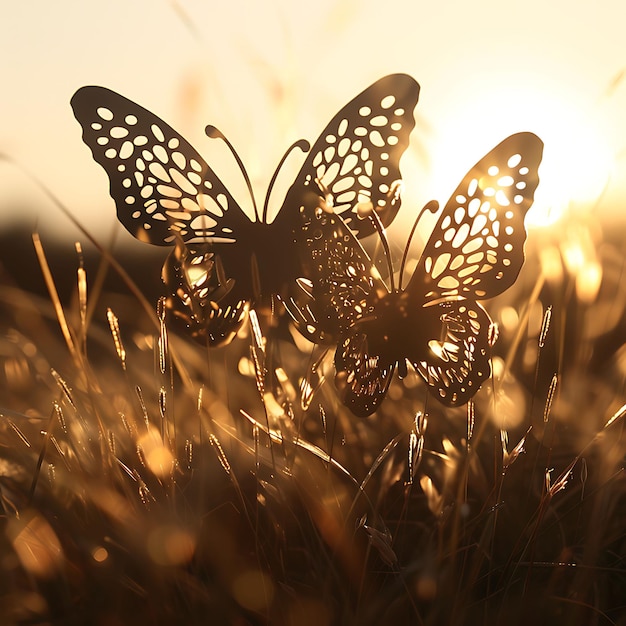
point(435, 323)
point(223, 261)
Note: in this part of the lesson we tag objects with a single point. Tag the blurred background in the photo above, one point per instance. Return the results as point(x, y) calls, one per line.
point(269, 73)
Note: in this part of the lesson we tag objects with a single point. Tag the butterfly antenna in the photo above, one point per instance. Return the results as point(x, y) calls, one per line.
point(305, 146)
point(431, 207)
point(214, 133)
point(380, 229)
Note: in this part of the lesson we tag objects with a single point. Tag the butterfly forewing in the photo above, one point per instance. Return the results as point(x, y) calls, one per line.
point(357, 156)
point(163, 189)
point(476, 249)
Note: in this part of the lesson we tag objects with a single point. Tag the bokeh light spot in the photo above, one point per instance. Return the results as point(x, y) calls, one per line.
point(253, 590)
point(171, 545)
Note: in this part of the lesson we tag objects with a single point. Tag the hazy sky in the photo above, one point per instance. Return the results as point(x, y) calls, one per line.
point(267, 73)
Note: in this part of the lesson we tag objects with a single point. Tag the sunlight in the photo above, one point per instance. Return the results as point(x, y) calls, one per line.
point(577, 160)
point(575, 170)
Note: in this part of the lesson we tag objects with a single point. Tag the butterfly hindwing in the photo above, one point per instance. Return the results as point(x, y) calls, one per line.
point(363, 370)
point(476, 248)
point(458, 361)
point(357, 156)
point(447, 343)
point(162, 187)
point(201, 299)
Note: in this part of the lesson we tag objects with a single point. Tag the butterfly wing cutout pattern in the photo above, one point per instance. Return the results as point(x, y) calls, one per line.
point(202, 300)
point(356, 158)
point(475, 252)
point(166, 194)
point(476, 249)
point(162, 187)
point(446, 343)
point(339, 284)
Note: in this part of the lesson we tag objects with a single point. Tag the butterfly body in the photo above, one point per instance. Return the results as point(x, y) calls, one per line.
point(223, 261)
point(391, 330)
point(267, 257)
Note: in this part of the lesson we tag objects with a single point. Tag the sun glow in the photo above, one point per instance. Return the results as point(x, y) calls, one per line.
point(575, 171)
point(577, 160)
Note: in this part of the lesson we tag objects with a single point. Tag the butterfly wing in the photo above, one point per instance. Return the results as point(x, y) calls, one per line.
point(163, 189)
point(447, 343)
point(455, 363)
point(342, 303)
point(338, 284)
point(476, 249)
point(357, 156)
point(364, 366)
point(202, 300)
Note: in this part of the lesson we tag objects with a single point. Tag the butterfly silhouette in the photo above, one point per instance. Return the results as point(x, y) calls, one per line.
point(223, 261)
point(436, 324)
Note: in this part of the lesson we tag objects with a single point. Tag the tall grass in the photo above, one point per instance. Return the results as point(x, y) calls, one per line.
point(146, 480)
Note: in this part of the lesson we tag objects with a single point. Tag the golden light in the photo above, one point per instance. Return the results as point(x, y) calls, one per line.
point(507, 410)
point(244, 497)
point(578, 157)
point(36, 544)
point(588, 282)
point(578, 251)
point(100, 554)
point(158, 456)
point(551, 264)
point(576, 169)
point(170, 545)
point(509, 318)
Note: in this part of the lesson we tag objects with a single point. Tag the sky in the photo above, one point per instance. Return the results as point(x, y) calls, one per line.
point(268, 73)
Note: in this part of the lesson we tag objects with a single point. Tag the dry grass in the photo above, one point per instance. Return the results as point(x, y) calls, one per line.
point(144, 480)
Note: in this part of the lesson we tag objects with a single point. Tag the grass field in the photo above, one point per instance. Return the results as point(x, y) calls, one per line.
point(146, 480)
